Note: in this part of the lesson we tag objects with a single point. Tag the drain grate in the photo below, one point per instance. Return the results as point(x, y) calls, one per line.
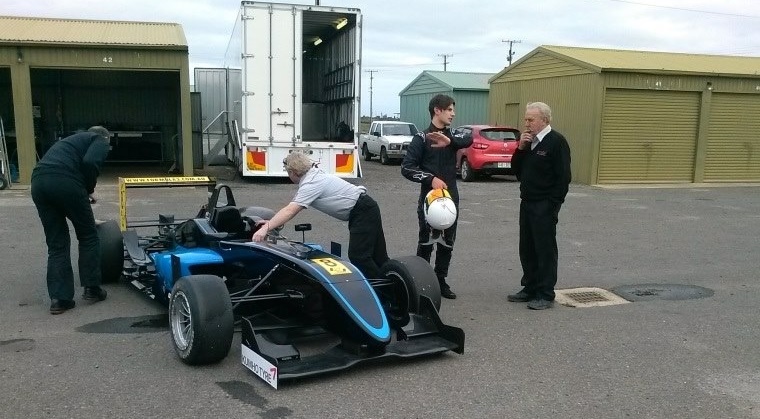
point(587, 297)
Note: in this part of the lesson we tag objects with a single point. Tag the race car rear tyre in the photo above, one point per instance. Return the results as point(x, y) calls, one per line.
point(200, 319)
point(111, 251)
point(418, 277)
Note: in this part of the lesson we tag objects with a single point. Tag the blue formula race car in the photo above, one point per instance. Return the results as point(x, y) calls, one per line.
point(301, 310)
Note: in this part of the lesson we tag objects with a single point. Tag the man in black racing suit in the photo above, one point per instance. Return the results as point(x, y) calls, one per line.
point(431, 161)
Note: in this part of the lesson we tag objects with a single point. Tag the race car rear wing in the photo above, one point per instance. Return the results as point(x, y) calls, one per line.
point(156, 182)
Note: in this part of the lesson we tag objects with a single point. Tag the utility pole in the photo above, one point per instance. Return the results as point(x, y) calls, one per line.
point(444, 59)
point(511, 54)
point(371, 77)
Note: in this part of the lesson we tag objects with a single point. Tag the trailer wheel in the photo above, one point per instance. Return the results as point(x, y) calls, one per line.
point(419, 278)
point(111, 251)
point(200, 319)
point(365, 153)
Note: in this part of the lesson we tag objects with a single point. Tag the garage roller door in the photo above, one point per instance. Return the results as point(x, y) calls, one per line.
point(733, 139)
point(648, 136)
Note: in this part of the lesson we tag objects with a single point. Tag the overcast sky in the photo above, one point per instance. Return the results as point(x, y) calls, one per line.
point(404, 37)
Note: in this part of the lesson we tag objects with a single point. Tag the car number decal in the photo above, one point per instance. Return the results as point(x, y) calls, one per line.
point(332, 266)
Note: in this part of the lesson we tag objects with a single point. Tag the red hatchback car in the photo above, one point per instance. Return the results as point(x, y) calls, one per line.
point(490, 153)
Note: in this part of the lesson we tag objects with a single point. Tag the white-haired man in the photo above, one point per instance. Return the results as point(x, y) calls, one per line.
point(542, 165)
point(340, 199)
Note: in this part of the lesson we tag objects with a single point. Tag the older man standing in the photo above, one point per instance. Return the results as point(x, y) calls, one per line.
point(542, 165)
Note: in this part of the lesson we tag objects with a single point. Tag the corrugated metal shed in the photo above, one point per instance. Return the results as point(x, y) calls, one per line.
point(598, 60)
point(640, 116)
point(45, 31)
point(666, 62)
point(63, 75)
point(453, 80)
point(469, 90)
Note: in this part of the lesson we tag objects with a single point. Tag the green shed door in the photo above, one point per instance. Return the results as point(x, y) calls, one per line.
point(648, 136)
point(733, 139)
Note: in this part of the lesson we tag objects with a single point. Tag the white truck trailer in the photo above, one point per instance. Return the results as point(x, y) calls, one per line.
point(301, 84)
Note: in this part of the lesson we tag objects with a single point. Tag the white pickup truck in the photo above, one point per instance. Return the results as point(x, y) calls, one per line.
point(387, 139)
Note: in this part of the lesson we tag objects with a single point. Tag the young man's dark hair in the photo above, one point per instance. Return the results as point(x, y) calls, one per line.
point(440, 102)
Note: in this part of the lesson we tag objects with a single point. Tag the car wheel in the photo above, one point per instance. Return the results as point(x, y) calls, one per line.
point(468, 175)
point(417, 276)
point(3, 182)
point(384, 157)
point(365, 153)
point(111, 251)
point(200, 319)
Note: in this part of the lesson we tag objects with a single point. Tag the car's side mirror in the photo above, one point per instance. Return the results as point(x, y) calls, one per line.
point(376, 133)
point(303, 227)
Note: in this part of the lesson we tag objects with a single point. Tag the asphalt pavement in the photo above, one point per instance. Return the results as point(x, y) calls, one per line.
point(658, 358)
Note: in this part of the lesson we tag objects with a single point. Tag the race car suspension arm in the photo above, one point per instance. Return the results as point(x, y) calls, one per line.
point(248, 295)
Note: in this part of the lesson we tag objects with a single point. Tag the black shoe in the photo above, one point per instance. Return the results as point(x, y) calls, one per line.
point(446, 292)
point(540, 304)
point(519, 297)
point(59, 306)
point(94, 294)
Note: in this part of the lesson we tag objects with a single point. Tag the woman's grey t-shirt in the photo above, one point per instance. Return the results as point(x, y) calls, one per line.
point(327, 193)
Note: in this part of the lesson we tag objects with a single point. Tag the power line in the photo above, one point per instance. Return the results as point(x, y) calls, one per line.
point(511, 53)
point(683, 9)
point(445, 62)
point(371, 77)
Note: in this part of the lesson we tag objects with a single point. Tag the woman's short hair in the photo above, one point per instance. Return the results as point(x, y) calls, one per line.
point(97, 129)
point(298, 163)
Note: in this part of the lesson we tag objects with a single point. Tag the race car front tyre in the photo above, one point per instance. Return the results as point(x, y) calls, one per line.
point(419, 278)
point(111, 251)
point(200, 319)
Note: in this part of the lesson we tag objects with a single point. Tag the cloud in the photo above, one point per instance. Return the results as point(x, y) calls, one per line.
point(401, 38)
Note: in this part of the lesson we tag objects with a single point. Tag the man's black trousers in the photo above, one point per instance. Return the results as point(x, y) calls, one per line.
point(538, 247)
point(366, 242)
point(58, 198)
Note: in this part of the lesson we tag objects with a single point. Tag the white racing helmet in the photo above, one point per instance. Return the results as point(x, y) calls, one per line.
point(440, 211)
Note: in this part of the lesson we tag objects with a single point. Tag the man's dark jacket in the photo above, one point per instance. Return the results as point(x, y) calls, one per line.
point(423, 162)
point(77, 157)
point(544, 172)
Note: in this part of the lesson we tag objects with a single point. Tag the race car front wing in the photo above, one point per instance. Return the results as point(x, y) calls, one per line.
point(274, 362)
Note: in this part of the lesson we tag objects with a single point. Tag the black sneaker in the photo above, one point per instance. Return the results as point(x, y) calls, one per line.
point(540, 304)
point(519, 297)
point(94, 294)
point(59, 306)
point(446, 292)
